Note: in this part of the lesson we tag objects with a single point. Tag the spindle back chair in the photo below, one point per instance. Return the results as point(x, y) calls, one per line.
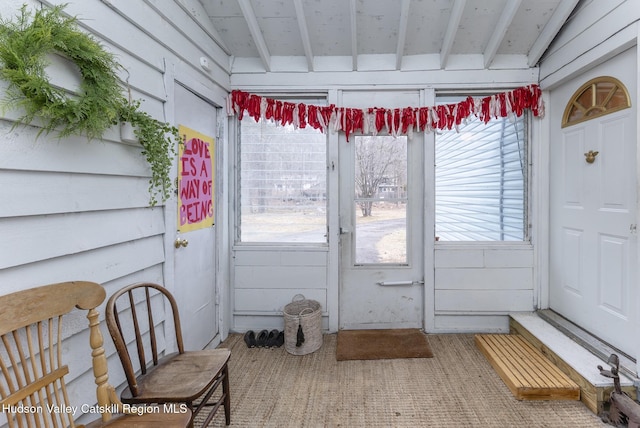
point(33, 392)
point(192, 378)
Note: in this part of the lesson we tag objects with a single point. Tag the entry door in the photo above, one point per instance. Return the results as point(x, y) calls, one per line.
point(593, 223)
point(195, 263)
point(381, 191)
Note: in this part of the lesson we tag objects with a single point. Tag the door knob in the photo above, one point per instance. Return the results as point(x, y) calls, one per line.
point(181, 243)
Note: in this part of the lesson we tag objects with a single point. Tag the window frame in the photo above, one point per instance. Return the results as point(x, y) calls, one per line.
point(527, 220)
point(237, 201)
point(407, 199)
point(600, 109)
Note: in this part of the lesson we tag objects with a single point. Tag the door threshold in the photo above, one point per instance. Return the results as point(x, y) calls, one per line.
point(593, 344)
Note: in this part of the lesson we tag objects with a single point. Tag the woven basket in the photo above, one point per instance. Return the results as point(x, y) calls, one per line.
point(302, 326)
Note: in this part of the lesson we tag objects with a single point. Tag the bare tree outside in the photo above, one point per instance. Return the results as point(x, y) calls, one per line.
point(380, 170)
point(380, 182)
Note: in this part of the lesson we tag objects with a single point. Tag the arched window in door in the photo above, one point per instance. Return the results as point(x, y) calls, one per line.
point(597, 97)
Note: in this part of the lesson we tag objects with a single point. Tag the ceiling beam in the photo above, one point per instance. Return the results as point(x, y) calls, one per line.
point(452, 29)
point(499, 32)
point(256, 33)
point(550, 31)
point(354, 34)
point(402, 32)
point(304, 33)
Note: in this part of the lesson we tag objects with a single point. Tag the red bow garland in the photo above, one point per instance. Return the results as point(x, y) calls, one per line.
point(396, 121)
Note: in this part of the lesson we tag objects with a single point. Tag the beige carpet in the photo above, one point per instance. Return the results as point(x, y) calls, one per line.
point(382, 344)
point(456, 388)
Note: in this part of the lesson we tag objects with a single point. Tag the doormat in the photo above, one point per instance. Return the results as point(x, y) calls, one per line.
point(382, 344)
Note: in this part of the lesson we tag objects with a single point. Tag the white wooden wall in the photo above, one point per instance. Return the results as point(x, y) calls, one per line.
point(476, 286)
point(265, 280)
point(468, 288)
point(78, 210)
point(599, 30)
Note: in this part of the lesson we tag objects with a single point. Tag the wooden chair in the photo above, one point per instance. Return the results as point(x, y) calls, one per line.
point(188, 377)
point(33, 392)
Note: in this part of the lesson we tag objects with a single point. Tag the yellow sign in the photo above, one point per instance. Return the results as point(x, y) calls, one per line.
point(195, 181)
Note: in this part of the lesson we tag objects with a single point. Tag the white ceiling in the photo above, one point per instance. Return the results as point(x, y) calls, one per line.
point(319, 35)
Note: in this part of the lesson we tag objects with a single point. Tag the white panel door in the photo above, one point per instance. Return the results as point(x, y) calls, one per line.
point(195, 270)
point(593, 268)
point(381, 221)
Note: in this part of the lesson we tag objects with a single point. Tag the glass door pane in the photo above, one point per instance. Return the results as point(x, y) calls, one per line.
point(381, 200)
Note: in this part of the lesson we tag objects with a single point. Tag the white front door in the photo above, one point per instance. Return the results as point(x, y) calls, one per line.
point(195, 263)
point(381, 194)
point(593, 262)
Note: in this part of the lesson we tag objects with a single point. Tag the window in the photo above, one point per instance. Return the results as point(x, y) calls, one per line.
point(282, 183)
point(381, 199)
point(481, 181)
point(597, 97)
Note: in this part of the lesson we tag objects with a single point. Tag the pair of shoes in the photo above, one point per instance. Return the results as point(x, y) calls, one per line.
point(275, 339)
point(250, 339)
point(259, 341)
point(264, 339)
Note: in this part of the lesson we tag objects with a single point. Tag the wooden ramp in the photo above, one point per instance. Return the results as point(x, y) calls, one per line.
point(528, 374)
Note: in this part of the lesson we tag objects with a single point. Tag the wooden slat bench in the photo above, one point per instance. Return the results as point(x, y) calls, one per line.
point(525, 370)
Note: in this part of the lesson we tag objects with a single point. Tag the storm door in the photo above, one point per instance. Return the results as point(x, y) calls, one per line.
point(381, 225)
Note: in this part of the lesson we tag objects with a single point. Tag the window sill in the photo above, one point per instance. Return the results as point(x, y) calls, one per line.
point(271, 246)
point(503, 245)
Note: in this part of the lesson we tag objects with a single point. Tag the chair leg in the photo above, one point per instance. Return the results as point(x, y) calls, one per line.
point(193, 416)
point(227, 397)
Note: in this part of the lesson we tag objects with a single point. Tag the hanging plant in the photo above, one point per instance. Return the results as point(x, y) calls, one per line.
point(157, 147)
point(98, 103)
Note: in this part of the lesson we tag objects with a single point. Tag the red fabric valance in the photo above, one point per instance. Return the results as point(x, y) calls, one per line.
point(396, 121)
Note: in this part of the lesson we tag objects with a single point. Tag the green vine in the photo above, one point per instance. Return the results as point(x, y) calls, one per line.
point(98, 104)
point(158, 149)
